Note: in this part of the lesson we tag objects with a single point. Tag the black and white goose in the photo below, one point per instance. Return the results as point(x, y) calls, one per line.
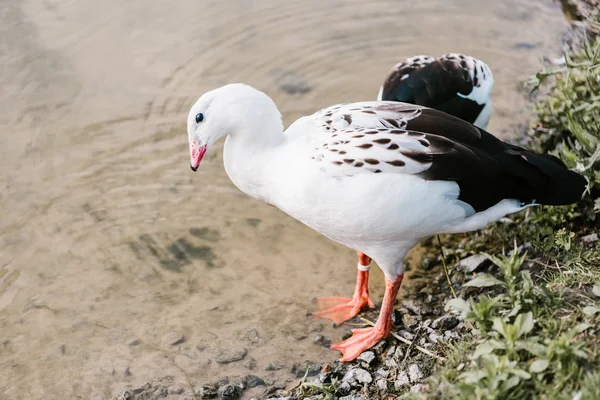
point(455, 83)
point(377, 177)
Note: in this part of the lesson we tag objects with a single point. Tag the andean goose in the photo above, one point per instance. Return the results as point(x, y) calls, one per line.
point(377, 177)
point(454, 83)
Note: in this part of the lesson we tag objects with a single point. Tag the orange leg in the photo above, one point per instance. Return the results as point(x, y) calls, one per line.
point(340, 309)
point(365, 338)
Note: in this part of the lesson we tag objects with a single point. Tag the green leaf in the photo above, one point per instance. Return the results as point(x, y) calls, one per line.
point(471, 377)
point(520, 373)
point(582, 327)
point(488, 347)
point(539, 365)
point(458, 304)
point(511, 382)
point(484, 280)
point(591, 310)
point(524, 323)
point(596, 290)
point(498, 325)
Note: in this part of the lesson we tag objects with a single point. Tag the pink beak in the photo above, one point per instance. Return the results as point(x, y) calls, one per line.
point(196, 153)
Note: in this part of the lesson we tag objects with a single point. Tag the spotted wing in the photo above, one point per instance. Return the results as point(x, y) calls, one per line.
point(393, 137)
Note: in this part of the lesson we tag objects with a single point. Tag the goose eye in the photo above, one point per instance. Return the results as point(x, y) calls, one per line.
point(199, 118)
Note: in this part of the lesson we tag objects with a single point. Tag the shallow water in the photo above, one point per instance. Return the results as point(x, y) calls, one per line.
point(108, 241)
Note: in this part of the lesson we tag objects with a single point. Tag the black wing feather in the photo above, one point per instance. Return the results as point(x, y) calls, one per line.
point(435, 85)
point(489, 170)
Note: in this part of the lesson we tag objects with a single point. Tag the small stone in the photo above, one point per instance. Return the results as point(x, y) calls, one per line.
point(306, 368)
point(414, 373)
point(231, 355)
point(322, 341)
point(381, 384)
point(398, 354)
point(445, 322)
point(127, 372)
point(450, 335)
point(274, 366)
point(172, 338)
point(412, 307)
point(362, 376)
point(250, 363)
point(406, 335)
point(471, 263)
point(160, 392)
point(391, 363)
point(434, 337)
point(134, 342)
point(352, 397)
point(229, 392)
point(253, 381)
point(401, 381)
point(344, 388)
point(176, 390)
point(590, 238)
point(417, 388)
point(380, 347)
point(384, 373)
point(367, 357)
point(410, 321)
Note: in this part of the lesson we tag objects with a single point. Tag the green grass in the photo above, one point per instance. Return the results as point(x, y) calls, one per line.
point(534, 317)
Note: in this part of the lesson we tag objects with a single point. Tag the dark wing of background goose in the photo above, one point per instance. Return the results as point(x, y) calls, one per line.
point(454, 83)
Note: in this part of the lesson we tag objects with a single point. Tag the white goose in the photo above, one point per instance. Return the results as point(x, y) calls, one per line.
point(377, 177)
point(454, 83)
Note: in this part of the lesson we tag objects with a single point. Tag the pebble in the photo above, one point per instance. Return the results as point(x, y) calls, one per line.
point(274, 366)
point(471, 263)
point(401, 381)
point(134, 342)
point(176, 390)
point(250, 363)
point(445, 322)
point(160, 392)
point(367, 357)
point(322, 341)
point(344, 388)
point(417, 388)
point(411, 306)
point(362, 376)
point(406, 335)
point(590, 238)
point(253, 381)
point(381, 384)
point(172, 338)
point(410, 321)
point(308, 368)
point(231, 355)
point(414, 373)
point(384, 373)
point(352, 397)
point(434, 337)
point(229, 392)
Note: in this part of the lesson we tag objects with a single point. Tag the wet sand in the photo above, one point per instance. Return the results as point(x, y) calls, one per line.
point(108, 242)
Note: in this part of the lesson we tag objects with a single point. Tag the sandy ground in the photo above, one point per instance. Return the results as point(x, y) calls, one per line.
point(111, 248)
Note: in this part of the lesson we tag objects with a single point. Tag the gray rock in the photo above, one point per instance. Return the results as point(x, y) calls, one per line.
point(176, 390)
point(172, 338)
point(362, 376)
point(367, 357)
point(412, 307)
point(414, 373)
point(590, 238)
point(160, 392)
point(229, 392)
point(231, 355)
point(417, 388)
point(306, 368)
point(344, 388)
point(401, 380)
point(391, 363)
point(253, 381)
point(399, 353)
point(410, 321)
point(134, 342)
point(451, 335)
point(381, 384)
point(471, 263)
point(322, 341)
point(352, 397)
point(434, 337)
point(274, 366)
point(445, 322)
point(406, 335)
point(382, 372)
